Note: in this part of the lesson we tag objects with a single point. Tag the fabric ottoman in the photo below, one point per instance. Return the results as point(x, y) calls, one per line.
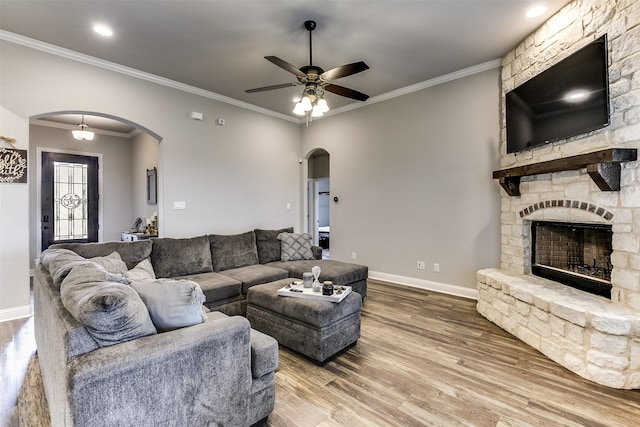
point(317, 329)
point(340, 273)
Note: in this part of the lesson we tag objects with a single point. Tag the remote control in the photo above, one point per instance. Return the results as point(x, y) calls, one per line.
point(296, 290)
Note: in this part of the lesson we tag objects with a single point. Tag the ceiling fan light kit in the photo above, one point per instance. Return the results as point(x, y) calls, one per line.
point(316, 82)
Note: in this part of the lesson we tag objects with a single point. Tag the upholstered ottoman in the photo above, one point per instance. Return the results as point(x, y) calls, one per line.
point(317, 329)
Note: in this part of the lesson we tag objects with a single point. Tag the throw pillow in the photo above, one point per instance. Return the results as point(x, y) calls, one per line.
point(233, 251)
point(111, 312)
point(172, 304)
point(141, 272)
point(268, 245)
point(295, 246)
point(112, 263)
point(131, 252)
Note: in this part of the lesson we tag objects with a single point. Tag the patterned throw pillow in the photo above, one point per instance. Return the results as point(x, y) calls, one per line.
point(295, 246)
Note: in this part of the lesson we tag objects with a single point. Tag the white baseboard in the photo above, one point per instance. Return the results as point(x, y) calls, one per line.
point(15, 313)
point(443, 288)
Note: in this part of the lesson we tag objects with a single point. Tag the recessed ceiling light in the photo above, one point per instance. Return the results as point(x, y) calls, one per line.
point(536, 11)
point(103, 30)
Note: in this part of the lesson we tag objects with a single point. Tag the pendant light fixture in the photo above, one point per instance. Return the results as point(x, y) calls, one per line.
point(83, 134)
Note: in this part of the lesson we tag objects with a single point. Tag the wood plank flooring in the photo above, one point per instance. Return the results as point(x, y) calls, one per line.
point(427, 359)
point(424, 359)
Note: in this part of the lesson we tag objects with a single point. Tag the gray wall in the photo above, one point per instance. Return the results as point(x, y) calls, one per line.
point(232, 178)
point(116, 169)
point(413, 177)
point(145, 150)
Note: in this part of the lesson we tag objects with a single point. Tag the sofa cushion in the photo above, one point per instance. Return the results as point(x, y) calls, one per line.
point(216, 286)
point(233, 251)
point(172, 304)
point(130, 252)
point(112, 312)
point(295, 246)
point(255, 274)
point(268, 244)
point(180, 257)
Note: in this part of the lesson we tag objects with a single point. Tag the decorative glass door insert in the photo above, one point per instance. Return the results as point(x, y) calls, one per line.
point(69, 196)
point(71, 202)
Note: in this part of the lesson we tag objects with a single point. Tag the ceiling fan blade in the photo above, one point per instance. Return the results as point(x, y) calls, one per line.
point(272, 87)
point(344, 91)
point(285, 65)
point(344, 70)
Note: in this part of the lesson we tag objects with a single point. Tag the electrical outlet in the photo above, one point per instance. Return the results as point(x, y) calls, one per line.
point(353, 255)
point(436, 268)
point(420, 265)
point(179, 205)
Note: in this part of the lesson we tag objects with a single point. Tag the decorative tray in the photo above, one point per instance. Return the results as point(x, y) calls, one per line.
point(309, 294)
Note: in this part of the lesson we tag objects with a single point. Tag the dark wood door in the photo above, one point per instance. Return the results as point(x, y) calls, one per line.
point(69, 198)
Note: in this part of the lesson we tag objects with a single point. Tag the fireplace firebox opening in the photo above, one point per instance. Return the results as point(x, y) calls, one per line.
point(577, 255)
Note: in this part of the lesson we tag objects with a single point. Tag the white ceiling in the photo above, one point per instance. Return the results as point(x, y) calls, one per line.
point(219, 45)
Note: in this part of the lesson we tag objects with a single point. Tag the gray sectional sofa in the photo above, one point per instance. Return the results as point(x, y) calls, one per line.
point(217, 371)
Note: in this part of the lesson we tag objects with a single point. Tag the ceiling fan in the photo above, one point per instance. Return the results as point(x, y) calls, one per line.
point(315, 79)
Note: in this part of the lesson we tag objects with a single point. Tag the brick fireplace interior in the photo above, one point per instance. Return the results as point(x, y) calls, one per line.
point(575, 254)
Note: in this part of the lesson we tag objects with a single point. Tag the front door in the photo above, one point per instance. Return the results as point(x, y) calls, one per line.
point(69, 198)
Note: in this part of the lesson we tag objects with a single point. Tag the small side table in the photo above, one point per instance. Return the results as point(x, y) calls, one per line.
point(132, 237)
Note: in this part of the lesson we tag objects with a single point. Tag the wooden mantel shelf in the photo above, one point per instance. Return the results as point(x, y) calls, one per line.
point(602, 166)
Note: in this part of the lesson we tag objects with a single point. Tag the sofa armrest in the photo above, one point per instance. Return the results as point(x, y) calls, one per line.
point(264, 354)
point(317, 252)
point(198, 375)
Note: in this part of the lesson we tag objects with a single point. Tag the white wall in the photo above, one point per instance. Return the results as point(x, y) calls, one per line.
point(116, 170)
point(413, 177)
point(232, 178)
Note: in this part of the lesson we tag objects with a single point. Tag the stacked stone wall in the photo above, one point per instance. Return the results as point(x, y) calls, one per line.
point(590, 335)
point(576, 25)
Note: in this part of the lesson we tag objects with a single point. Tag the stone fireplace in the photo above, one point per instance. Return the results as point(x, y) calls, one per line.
point(595, 336)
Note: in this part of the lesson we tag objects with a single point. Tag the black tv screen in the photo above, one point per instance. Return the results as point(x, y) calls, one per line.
point(568, 99)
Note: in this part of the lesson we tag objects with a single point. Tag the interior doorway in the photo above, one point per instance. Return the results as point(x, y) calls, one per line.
point(319, 190)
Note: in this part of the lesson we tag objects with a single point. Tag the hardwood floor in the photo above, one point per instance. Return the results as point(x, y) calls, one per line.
point(424, 359)
point(430, 359)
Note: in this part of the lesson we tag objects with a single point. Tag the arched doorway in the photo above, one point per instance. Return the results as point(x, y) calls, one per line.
point(318, 196)
point(125, 150)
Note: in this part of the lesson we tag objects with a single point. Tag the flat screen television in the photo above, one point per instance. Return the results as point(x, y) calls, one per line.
point(568, 99)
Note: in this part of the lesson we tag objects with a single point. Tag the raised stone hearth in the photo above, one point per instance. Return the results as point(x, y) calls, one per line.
point(587, 334)
point(592, 336)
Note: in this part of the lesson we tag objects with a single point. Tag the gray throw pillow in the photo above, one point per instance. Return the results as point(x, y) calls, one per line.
point(112, 263)
point(295, 246)
point(233, 251)
point(111, 312)
point(141, 272)
point(268, 244)
point(172, 304)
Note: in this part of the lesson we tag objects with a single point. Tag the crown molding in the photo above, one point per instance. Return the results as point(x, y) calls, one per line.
point(132, 72)
point(465, 72)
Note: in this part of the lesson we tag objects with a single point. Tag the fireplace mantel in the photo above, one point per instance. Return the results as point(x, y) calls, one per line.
point(602, 166)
